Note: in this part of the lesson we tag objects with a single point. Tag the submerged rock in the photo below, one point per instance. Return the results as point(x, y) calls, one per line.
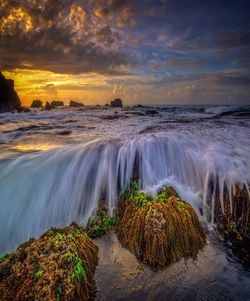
point(75, 104)
point(116, 103)
point(36, 103)
point(9, 100)
point(59, 265)
point(160, 231)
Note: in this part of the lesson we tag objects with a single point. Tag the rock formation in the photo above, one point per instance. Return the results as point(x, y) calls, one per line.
point(9, 100)
point(75, 104)
point(59, 265)
point(36, 103)
point(234, 221)
point(116, 103)
point(57, 103)
point(160, 231)
point(48, 106)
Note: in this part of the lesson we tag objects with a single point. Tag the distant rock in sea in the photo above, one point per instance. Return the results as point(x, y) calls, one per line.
point(48, 106)
point(9, 100)
point(36, 103)
point(75, 104)
point(116, 103)
point(57, 103)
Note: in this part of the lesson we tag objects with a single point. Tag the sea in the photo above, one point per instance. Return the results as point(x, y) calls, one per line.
point(57, 166)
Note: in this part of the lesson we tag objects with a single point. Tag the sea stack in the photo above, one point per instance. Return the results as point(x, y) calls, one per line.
point(9, 100)
point(36, 103)
point(117, 103)
point(75, 104)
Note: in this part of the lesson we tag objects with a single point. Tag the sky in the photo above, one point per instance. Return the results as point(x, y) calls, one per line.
point(145, 51)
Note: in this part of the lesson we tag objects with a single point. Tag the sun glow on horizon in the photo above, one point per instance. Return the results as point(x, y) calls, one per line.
point(47, 86)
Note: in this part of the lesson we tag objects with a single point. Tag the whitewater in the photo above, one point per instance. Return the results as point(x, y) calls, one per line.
point(58, 166)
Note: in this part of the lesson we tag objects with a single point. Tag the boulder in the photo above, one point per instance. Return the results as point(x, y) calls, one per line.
point(75, 104)
point(161, 230)
point(59, 265)
point(117, 103)
point(9, 100)
point(36, 103)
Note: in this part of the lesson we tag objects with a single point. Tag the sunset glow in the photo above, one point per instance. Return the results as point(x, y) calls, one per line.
point(160, 51)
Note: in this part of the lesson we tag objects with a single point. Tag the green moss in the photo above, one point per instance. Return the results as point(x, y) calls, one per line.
point(38, 274)
point(97, 229)
point(140, 199)
point(2, 258)
point(148, 213)
point(181, 205)
point(134, 187)
point(232, 227)
point(79, 270)
point(162, 196)
point(69, 256)
point(59, 292)
point(101, 224)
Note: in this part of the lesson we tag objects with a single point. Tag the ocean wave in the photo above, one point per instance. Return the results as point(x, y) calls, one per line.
point(218, 110)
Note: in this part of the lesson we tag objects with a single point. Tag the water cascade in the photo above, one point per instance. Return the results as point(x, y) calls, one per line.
point(56, 187)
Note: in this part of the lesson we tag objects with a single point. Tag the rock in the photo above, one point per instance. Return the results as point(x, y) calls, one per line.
point(116, 103)
point(9, 100)
point(36, 103)
point(234, 224)
point(59, 265)
point(151, 112)
point(57, 103)
point(23, 110)
point(75, 104)
point(48, 106)
point(107, 105)
point(159, 231)
point(138, 106)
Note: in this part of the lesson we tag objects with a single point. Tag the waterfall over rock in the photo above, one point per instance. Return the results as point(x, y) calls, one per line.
point(56, 187)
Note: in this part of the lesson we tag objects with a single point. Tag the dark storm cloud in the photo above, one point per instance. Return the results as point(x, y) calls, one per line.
point(159, 43)
point(61, 36)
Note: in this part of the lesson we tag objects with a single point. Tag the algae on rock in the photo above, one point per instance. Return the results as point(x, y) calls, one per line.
point(161, 231)
point(102, 223)
point(59, 265)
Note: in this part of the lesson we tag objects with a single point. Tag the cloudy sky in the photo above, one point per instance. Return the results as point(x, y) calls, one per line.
point(145, 51)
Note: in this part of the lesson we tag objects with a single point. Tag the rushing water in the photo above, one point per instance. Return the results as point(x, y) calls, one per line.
point(55, 167)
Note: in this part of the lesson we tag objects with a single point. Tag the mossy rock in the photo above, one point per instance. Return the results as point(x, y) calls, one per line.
point(234, 221)
point(101, 224)
point(160, 231)
point(59, 265)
